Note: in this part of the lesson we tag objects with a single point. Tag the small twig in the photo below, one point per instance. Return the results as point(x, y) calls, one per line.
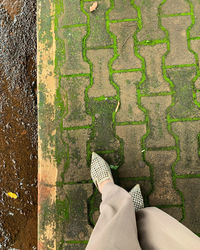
point(117, 107)
point(126, 40)
point(130, 24)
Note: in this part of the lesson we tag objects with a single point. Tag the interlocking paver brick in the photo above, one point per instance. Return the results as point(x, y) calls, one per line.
point(104, 137)
point(191, 193)
point(75, 221)
point(101, 78)
point(72, 13)
point(113, 158)
point(124, 32)
point(133, 165)
point(123, 10)
point(94, 206)
point(175, 7)
point(179, 53)
point(197, 83)
point(175, 212)
point(184, 105)
point(67, 246)
point(74, 63)
point(128, 110)
point(195, 31)
point(164, 192)
point(150, 29)
point(158, 135)
point(198, 97)
point(95, 216)
point(76, 162)
point(145, 185)
point(72, 94)
point(187, 132)
point(98, 33)
point(154, 81)
point(195, 45)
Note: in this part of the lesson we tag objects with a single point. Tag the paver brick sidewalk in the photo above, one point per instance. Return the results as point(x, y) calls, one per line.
point(144, 55)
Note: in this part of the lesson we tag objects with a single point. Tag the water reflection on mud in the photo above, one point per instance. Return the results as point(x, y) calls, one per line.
point(18, 125)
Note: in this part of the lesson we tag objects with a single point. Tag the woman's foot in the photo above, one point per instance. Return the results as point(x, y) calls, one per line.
point(100, 171)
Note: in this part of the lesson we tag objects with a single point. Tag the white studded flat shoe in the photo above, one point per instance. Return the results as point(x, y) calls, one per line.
point(100, 170)
point(137, 197)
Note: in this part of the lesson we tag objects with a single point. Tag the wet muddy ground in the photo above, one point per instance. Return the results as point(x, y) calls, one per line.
point(18, 124)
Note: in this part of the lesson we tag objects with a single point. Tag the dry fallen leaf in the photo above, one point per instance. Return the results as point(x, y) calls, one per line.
point(12, 195)
point(93, 7)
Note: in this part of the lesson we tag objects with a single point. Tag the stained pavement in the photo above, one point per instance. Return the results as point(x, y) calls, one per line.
point(144, 55)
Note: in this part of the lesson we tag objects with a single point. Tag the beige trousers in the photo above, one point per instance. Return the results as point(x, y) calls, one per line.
point(119, 227)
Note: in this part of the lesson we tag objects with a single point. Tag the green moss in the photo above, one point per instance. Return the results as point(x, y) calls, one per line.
point(98, 32)
point(198, 139)
point(73, 14)
point(71, 87)
point(77, 198)
point(102, 106)
point(42, 95)
point(145, 86)
point(47, 216)
point(103, 131)
point(60, 150)
point(157, 107)
point(39, 67)
point(72, 139)
point(150, 82)
point(60, 44)
point(59, 7)
point(62, 210)
point(183, 86)
point(76, 156)
point(59, 104)
point(147, 3)
point(93, 205)
point(46, 124)
point(74, 43)
point(160, 128)
point(44, 32)
point(60, 57)
point(130, 110)
point(50, 62)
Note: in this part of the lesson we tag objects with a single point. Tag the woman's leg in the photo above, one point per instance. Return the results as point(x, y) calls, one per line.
point(116, 227)
point(159, 231)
